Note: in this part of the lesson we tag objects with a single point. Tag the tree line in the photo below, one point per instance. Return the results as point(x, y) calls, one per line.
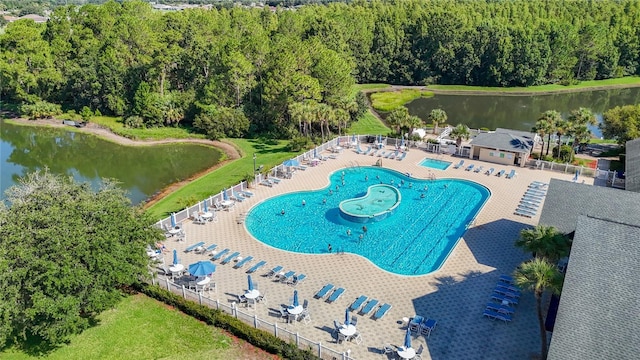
point(288, 73)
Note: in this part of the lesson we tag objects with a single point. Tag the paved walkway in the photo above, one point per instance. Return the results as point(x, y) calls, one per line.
point(455, 295)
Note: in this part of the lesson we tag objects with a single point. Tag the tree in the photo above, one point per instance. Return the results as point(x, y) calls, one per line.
point(66, 253)
point(580, 120)
point(562, 127)
point(538, 276)
point(397, 118)
point(460, 132)
point(437, 117)
point(544, 241)
point(546, 126)
point(621, 123)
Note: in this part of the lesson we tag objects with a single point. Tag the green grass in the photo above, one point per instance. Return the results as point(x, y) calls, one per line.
point(390, 100)
point(142, 328)
point(268, 153)
point(360, 87)
point(116, 126)
point(584, 85)
point(603, 141)
point(368, 124)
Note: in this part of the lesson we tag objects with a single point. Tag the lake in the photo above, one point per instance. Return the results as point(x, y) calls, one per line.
point(520, 112)
point(142, 170)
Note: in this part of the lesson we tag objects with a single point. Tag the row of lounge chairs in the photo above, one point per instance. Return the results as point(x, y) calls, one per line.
point(381, 153)
point(531, 199)
point(270, 181)
point(364, 306)
point(490, 171)
point(422, 325)
point(504, 296)
point(289, 278)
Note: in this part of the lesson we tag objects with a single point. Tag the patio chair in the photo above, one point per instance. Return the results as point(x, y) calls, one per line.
point(210, 248)
point(199, 220)
point(414, 324)
point(459, 164)
point(297, 279)
point(427, 326)
point(262, 298)
point(283, 313)
point(242, 262)
point(336, 326)
point(194, 246)
point(357, 337)
point(273, 271)
point(500, 173)
point(220, 255)
point(241, 299)
point(230, 258)
point(336, 295)
point(511, 174)
point(354, 320)
point(388, 349)
point(469, 168)
point(305, 316)
point(256, 267)
point(478, 169)
point(419, 353)
point(489, 172)
point(305, 304)
point(324, 291)
point(368, 307)
point(382, 311)
point(357, 303)
point(286, 277)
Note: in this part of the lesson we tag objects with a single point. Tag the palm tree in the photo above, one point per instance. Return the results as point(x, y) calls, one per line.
point(546, 125)
point(581, 119)
point(544, 242)
point(412, 123)
point(562, 127)
point(459, 132)
point(538, 276)
point(437, 117)
point(397, 118)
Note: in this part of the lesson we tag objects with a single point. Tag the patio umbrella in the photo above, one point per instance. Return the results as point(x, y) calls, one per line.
point(407, 339)
point(353, 138)
point(315, 153)
point(176, 261)
point(225, 197)
point(250, 287)
point(402, 142)
point(202, 268)
point(173, 220)
point(295, 298)
point(338, 142)
point(347, 317)
point(205, 207)
point(291, 163)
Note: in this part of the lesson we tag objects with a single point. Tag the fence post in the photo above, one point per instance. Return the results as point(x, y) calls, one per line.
point(184, 292)
point(217, 304)
point(168, 285)
point(255, 321)
point(320, 349)
point(275, 329)
point(200, 297)
point(297, 339)
point(234, 311)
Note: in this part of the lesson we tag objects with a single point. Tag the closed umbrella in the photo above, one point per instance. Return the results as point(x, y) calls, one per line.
point(338, 142)
point(205, 207)
point(173, 220)
point(295, 298)
point(176, 261)
point(353, 138)
point(291, 163)
point(347, 317)
point(402, 142)
point(250, 287)
point(407, 339)
point(225, 197)
point(202, 268)
point(315, 153)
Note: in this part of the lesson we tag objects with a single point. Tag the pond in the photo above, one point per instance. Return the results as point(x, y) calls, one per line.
point(142, 170)
point(520, 112)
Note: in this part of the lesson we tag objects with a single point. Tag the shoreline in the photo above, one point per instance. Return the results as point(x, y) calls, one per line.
point(229, 151)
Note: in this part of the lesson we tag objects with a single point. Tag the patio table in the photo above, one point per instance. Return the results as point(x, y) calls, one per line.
point(347, 330)
point(252, 294)
point(406, 353)
point(295, 310)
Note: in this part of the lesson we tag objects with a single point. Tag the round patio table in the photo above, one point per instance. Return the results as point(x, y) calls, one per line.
point(408, 353)
point(347, 330)
point(252, 294)
point(295, 310)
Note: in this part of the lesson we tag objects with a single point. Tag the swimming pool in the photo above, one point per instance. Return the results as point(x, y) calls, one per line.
point(415, 239)
point(435, 163)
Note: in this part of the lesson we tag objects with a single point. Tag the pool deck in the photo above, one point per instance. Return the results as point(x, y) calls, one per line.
point(455, 295)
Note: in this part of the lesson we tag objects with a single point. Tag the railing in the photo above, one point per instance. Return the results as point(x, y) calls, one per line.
point(563, 168)
point(317, 348)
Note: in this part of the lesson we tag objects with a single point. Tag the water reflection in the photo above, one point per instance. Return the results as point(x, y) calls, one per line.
point(142, 170)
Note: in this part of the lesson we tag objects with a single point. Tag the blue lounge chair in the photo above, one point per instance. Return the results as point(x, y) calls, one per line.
point(324, 291)
point(459, 165)
point(511, 174)
point(273, 271)
point(336, 295)
point(247, 194)
point(506, 279)
point(500, 298)
point(237, 197)
point(494, 315)
point(194, 246)
point(242, 262)
point(229, 258)
point(404, 155)
point(535, 199)
point(210, 248)
point(220, 254)
point(528, 207)
point(524, 213)
point(489, 172)
point(536, 192)
point(382, 311)
point(297, 279)
point(382, 154)
point(388, 155)
point(507, 292)
point(285, 278)
point(266, 182)
point(539, 184)
point(369, 307)
point(469, 168)
point(501, 308)
point(257, 266)
point(358, 303)
point(508, 287)
point(478, 169)
point(500, 173)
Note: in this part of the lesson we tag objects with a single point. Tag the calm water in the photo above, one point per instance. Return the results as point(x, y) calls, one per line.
point(415, 240)
point(435, 164)
point(142, 170)
point(520, 112)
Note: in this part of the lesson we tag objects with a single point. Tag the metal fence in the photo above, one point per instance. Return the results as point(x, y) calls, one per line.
point(203, 298)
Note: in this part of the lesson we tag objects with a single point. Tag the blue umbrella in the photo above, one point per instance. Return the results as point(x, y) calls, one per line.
point(315, 153)
point(175, 257)
point(250, 282)
point(291, 163)
point(295, 298)
point(206, 208)
point(202, 268)
point(347, 317)
point(402, 142)
point(407, 339)
point(353, 138)
point(338, 143)
point(173, 220)
point(224, 194)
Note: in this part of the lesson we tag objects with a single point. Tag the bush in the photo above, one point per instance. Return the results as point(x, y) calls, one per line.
point(566, 153)
point(134, 122)
point(217, 318)
point(40, 110)
point(298, 144)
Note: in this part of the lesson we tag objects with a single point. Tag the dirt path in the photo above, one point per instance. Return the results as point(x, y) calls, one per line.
point(230, 151)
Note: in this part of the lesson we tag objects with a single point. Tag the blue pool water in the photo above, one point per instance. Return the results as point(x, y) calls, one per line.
point(415, 240)
point(435, 163)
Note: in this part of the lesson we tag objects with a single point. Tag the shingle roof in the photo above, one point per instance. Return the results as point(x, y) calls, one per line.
point(524, 134)
point(598, 313)
point(566, 200)
point(503, 141)
point(632, 168)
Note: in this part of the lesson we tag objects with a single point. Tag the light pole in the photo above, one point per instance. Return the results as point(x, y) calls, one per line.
point(254, 163)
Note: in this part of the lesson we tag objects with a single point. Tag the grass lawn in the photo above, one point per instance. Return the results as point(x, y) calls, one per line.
point(368, 124)
point(359, 87)
point(143, 328)
point(390, 100)
point(622, 82)
point(603, 141)
point(116, 126)
point(268, 153)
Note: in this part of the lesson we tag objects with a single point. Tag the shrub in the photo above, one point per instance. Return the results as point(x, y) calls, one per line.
point(298, 144)
point(40, 110)
point(566, 153)
point(134, 122)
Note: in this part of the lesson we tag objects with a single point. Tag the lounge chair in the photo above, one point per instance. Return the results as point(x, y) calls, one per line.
point(489, 172)
point(357, 303)
point(478, 169)
point(324, 291)
point(494, 315)
point(273, 271)
point(336, 295)
point(501, 298)
point(404, 154)
point(266, 182)
point(246, 194)
point(507, 292)
point(257, 266)
point(368, 307)
point(382, 154)
point(524, 213)
point(511, 174)
point(539, 183)
point(373, 153)
point(506, 309)
point(508, 287)
point(500, 173)
point(415, 323)
point(297, 279)
point(288, 275)
point(528, 207)
point(242, 262)
point(382, 311)
point(506, 279)
point(536, 192)
point(535, 199)
point(236, 197)
point(230, 258)
point(301, 167)
point(469, 168)
point(427, 327)
point(459, 165)
point(220, 254)
point(194, 246)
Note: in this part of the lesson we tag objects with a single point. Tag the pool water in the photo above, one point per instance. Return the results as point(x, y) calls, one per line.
point(435, 163)
point(379, 202)
point(415, 240)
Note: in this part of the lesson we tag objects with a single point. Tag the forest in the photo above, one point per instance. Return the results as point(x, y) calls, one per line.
point(286, 73)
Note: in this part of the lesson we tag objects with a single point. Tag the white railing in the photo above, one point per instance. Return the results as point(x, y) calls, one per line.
point(563, 168)
point(318, 348)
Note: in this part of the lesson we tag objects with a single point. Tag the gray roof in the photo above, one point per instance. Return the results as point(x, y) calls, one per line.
point(503, 141)
point(632, 168)
point(598, 312)
point(524, 134)
point(566, 200)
